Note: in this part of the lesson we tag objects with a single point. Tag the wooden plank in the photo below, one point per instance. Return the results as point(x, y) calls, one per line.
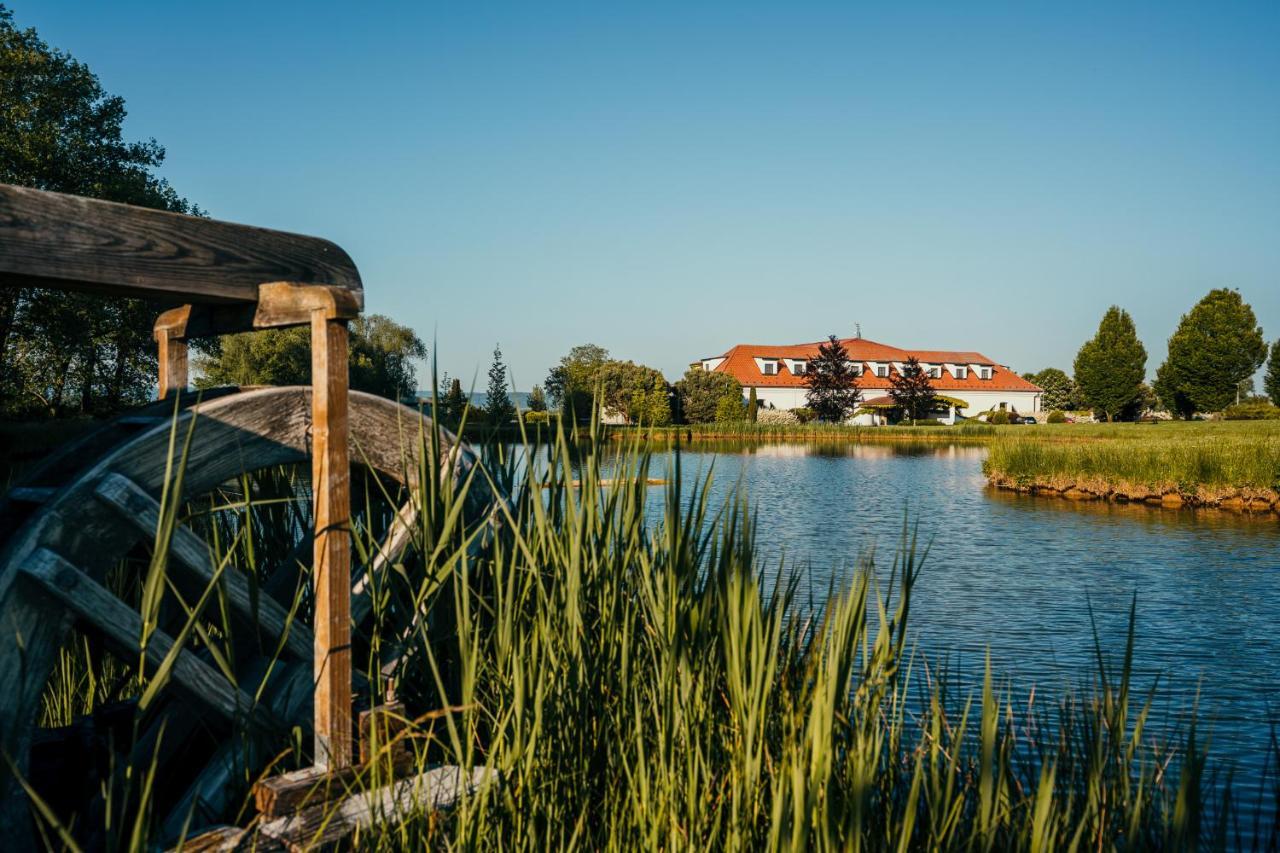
point(219, 839)
point(383, 735)
point(73, 243)
point(121, 627)
point(331, 566)
point(438, 789)
point(31, 494)
point(170, 332)
point(143, 511)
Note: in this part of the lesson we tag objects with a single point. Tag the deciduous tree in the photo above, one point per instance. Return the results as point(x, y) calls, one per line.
point(1110, 367)
point(71, 353)
point(700, 391)
point(1217, 344)
point(537, 400)
point(832, 383)
point(571, 384)
point(1060, 390)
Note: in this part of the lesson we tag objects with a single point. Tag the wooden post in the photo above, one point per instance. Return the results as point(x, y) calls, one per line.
point(170, 332)
point(331, 484)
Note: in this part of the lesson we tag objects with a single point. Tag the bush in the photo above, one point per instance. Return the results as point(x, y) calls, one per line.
point(803, 414)
point(776, 417)
point(730, 409)
point(1056, 417)
point(922, 422)
point(1000, 418)
point(537, 417)
point(1252, 411)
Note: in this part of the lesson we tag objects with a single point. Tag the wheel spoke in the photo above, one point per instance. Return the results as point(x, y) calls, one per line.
point(140, 509)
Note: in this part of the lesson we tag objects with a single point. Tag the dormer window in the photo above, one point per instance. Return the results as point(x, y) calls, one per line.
point(882, 371)
point(984, 372)
point(798, 368)
point(962, 372)
point(935, 372)
point(769, 368)
point(857, 368)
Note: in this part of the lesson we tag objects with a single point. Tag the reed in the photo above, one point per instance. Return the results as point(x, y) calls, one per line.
point(636, 682)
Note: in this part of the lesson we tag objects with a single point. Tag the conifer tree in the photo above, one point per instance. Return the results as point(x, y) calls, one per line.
point(912, 391)
point(833, 385)
point(498, 407)
point(1217, 345)
point(753, 405)
point(1271, 379)
point(537, 400)
point(455, 404)
point(1110, 368)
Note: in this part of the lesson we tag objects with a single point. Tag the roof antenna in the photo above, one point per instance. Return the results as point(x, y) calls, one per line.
point(858, 326)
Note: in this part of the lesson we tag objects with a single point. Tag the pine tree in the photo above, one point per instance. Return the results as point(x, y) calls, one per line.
point(912, 391)
point(537, 400)
point(753, 406)
point(1110, 368)
point(833, 385)
point(455, 404)
point(1217, 344)
point(1271, 379)
point(498, 407)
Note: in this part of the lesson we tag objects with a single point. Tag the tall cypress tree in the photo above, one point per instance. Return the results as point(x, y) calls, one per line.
point(1109, 368)
point(753, 405)
point(1271, 379)
point(1216, 346)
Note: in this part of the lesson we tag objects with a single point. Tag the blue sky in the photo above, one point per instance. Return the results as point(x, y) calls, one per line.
point(668, 180)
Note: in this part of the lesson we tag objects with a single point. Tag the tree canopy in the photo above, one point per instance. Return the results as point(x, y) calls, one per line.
point(571, 384)
point(832, 382)
point(912, 391)
point(1060, 390)
point(700, 391)
point(1217, 344)
point(1110, 367)
point(638, 393)
point(382, 357)
point(71, 353)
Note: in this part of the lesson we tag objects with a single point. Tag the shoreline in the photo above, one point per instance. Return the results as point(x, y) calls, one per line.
point(1245, 501)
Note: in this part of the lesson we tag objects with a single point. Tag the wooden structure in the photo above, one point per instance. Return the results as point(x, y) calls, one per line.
point(83, 509)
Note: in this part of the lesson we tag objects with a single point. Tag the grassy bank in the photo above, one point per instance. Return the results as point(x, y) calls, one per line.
point(635, 684)
point(810, 432)
point(1233, 465)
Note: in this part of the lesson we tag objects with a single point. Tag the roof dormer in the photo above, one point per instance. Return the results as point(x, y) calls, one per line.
point(767, 366)
point(797, 366)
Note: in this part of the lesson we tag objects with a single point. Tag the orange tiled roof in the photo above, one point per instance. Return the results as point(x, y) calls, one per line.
point(740, 363)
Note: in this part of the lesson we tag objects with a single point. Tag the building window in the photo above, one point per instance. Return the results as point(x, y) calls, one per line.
point(935, 372)
point(770, 368)
point(798, 368)
point(882, 370)
point(962, 373)
point(857, 369)
point(984, 372)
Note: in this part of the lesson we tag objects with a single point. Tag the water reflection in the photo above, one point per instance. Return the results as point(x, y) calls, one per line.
point(1021, 575)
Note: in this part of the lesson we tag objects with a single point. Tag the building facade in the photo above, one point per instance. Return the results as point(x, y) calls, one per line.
point(778, 375)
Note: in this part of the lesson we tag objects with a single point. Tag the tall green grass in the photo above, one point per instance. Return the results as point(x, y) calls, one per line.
point(635, 682)
point(813, 431)
point(1155, 457)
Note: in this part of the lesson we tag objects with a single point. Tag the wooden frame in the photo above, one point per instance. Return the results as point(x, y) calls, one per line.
point(225, 278)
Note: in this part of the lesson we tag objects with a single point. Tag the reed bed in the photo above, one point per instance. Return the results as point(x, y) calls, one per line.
point(810, 432)
point(1210, 465)
point(634, 682)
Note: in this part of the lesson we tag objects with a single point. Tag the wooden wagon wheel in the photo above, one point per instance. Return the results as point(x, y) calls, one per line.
point(52, 571)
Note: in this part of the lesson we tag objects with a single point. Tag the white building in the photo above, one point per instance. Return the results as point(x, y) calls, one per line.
point(778, 375)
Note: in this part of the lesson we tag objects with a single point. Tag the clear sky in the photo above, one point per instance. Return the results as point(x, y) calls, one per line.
point(672, 179)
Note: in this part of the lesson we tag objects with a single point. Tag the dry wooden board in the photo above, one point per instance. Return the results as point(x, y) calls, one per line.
point(435, 790)
point(68, 242)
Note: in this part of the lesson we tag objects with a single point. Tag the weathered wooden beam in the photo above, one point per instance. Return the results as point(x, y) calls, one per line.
point(74, 243)
point(121, 628)
point(170, 332)
point(139, 509)
point(321, 826)
point(331, 565)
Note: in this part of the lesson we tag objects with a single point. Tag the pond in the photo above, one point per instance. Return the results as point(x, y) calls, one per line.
point(1018, 575)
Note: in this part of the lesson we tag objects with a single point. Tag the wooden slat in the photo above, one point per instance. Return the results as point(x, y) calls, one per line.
point(31, 494)
point(331, 566)
point(143, 512)
point(69, 242)
point(321, 826)
point(121, 627)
